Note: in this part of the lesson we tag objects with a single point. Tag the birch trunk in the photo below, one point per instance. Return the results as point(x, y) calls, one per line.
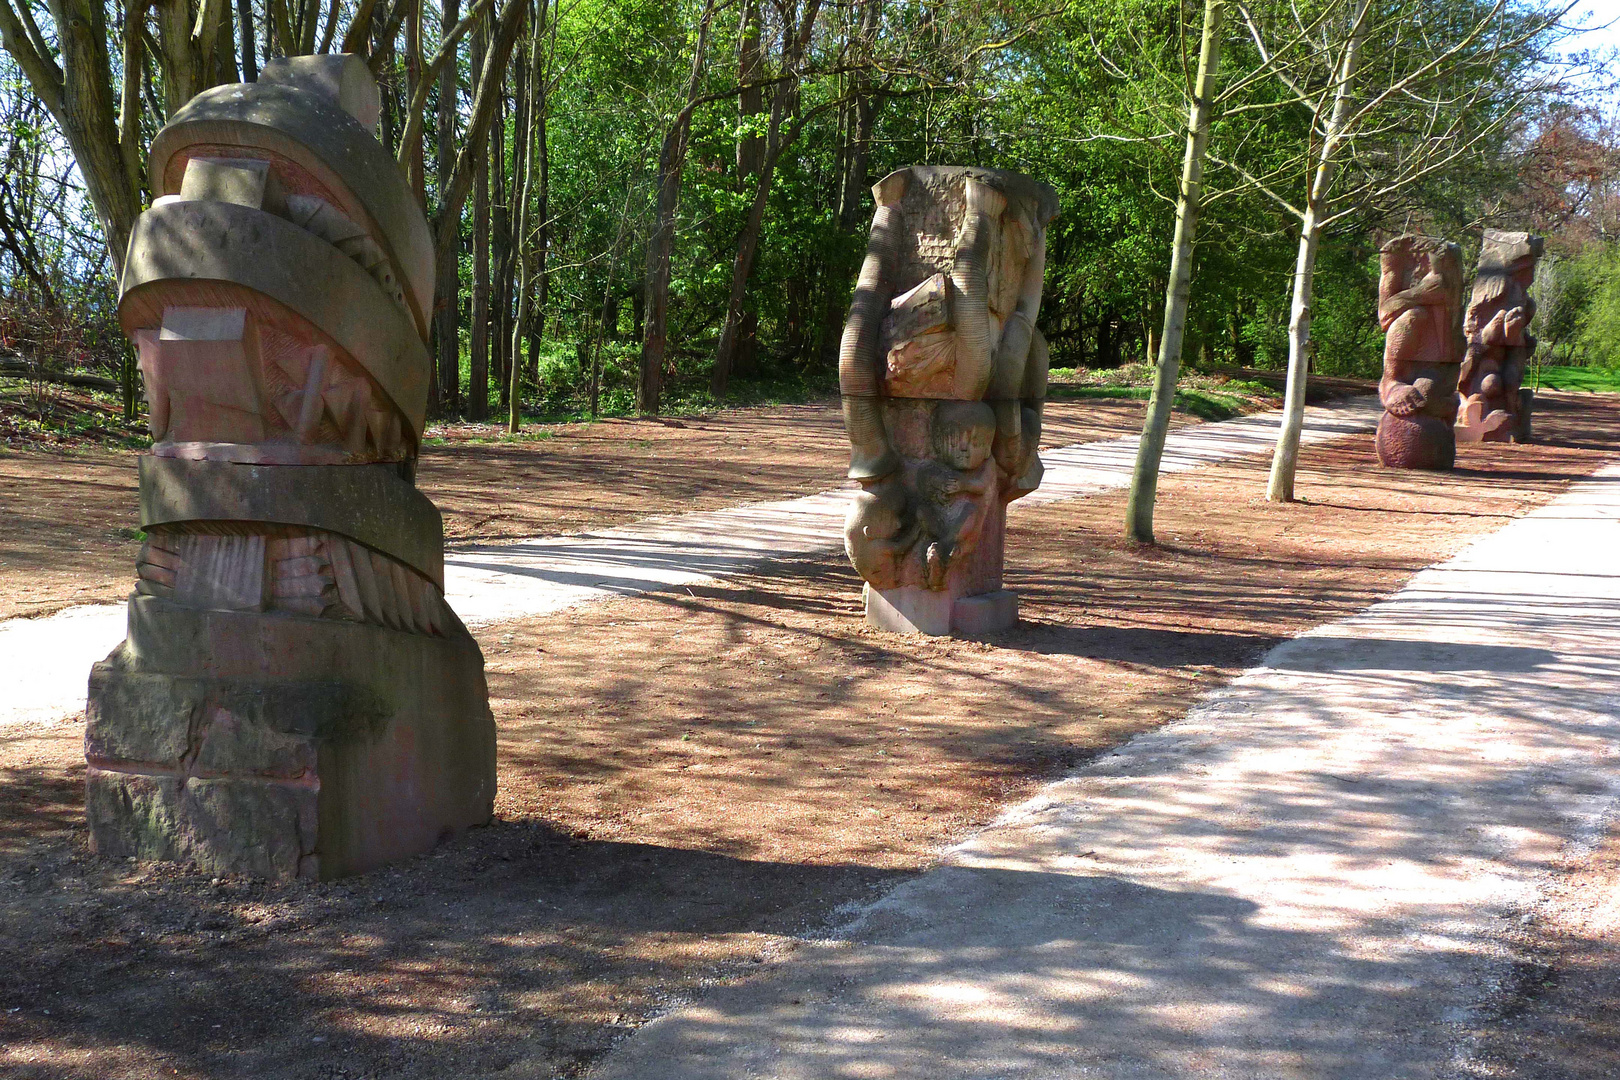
point(1285, 459)
point(1149, 452)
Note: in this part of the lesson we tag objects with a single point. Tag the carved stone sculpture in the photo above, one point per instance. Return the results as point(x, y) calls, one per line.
point(1495, 407)
point(1419, 299)
point(943, 377)
point(294, 697)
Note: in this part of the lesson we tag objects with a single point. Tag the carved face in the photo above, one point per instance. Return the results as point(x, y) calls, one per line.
point(963, 433)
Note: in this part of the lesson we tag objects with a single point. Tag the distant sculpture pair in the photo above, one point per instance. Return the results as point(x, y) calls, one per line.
point(1443, 383)
point(943, 377)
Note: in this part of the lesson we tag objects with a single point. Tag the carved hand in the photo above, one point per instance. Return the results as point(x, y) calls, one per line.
point(1405, 399)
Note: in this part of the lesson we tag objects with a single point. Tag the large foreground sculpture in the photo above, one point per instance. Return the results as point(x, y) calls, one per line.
point(1495, 406)
point(294, 697)
point(943, 377)
point(1419, 301)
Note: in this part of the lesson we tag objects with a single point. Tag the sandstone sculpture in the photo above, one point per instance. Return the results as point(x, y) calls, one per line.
point(943, 378)
point(1495, 406)
point(1419, 299)
point(294, 697)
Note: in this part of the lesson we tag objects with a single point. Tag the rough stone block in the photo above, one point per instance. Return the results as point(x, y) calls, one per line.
point(134, 814)
point(938, 613)
point(909, 610)
point(987, 613)
point(285, 745)
point(242, 181)
point(139, 717)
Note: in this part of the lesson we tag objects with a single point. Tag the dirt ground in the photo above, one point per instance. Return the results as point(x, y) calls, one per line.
point(1560, 1019)
point(71, 514)
point(689, 779)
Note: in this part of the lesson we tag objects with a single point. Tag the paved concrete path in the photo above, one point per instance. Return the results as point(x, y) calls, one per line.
point(1306, 878)
point(44, 662)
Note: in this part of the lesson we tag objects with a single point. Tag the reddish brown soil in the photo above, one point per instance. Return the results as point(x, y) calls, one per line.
point(71, 513)
point(1560, 1016)
point(689, 779)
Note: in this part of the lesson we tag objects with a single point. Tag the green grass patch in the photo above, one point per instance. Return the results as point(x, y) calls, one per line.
point(1204, 404)
point(1593, 380)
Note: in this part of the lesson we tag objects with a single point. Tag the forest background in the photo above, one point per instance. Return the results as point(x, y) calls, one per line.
point(660, 203)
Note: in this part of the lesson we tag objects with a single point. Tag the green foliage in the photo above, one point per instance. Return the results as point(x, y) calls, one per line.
point(1596, 380)
point(1018, 84)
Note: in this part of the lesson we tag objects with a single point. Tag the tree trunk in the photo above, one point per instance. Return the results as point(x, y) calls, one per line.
point(503, 288)
point(1285, 459)
point(478, 362)
point(415, 167)
point(542, 150)
point(660, 246)
point(783, 102)
point(525, 192)
point(1149, 452)
point(751, 102)
point(250, 48)
point(856, 155)
point(447, 279)
point(77, 88)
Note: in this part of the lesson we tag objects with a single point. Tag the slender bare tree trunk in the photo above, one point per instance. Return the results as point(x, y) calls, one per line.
point(478, 373)
point(661, 245)
point(525, 197)
point(250, 47)
point(542, 149)
point(751, 102)
point(783, 102)
point(1149, 452)
point(1285, 459)
point(447, 279)
point(856, 154)
point(415, 167)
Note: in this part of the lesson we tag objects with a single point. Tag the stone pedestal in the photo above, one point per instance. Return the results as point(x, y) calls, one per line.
point(284, 745)
point(913, 610)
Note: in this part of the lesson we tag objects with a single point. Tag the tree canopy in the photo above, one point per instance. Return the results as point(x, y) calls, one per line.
point(665, 200)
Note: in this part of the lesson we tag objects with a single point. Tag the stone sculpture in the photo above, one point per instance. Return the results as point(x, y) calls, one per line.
point(1495, 406)
point(294, 697)
point(943, 378)
point(1419, 299)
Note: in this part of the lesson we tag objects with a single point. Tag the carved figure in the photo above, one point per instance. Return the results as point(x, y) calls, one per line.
point(943, 378)
point(294, 697)
point(1419, 299)
point(1495, 407)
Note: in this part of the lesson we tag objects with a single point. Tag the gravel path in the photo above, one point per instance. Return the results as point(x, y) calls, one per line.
point(44, 662)
point(1313, 875)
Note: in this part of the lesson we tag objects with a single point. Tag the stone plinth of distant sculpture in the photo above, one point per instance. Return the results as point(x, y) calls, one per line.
point(1495, 406)
point(294, 697)
point(943, 377)
point(1419, 300)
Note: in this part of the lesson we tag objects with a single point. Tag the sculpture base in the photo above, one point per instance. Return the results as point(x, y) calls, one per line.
point(938, 613)
point(284, 746)
point(1416, 442)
